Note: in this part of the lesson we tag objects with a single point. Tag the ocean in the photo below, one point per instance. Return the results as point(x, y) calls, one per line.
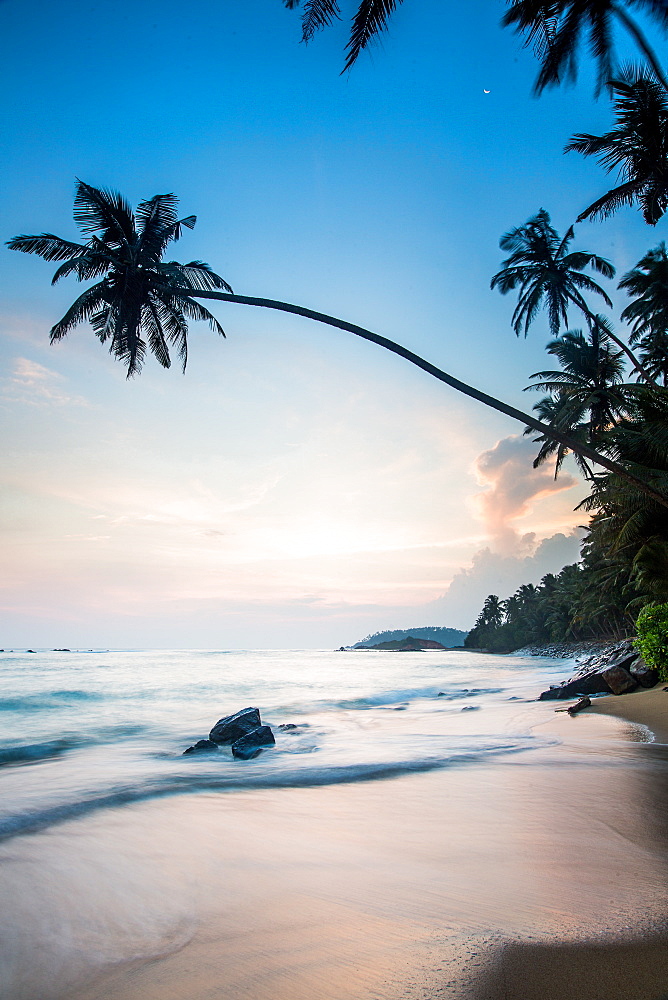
point(85, 730)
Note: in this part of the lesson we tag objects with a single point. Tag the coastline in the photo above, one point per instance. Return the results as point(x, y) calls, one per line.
point(645, 707)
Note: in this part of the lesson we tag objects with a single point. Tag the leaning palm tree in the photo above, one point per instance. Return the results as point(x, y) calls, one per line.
point(556, 30)
point(637, 148)
point(586, 394)
point(116, 236)
point(648, 312)
point(550, 277)
point(141, 301)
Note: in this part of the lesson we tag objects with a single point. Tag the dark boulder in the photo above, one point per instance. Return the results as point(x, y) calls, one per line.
point(232, 727)
point(618, 679)
point(643, 674)
point(251, 744)
point(591, 682)
point(202, 746)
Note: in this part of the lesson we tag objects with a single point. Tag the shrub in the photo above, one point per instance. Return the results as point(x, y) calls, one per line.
point(652, 641)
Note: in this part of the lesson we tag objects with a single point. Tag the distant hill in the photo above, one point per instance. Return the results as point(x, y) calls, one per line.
point(408, 645)
point(447, 637)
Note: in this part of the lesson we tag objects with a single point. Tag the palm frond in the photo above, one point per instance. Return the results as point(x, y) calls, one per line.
point(371, 18)
point(318, 14)
point(46, 245)
point(83, 309)
point(98, 210)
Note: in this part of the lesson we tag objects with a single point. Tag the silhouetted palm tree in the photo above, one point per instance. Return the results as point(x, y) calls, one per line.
point(556, 30)
point(141, 301)
point(637, 148)
point(546, 274)
point(586, 396)
point(154, 289)
point(549, 277)
point(648, 312)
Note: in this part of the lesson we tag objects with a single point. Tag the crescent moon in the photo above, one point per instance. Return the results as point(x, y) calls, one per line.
point(486, 91)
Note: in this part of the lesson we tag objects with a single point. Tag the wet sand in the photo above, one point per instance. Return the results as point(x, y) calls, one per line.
point(649, 708)
point(540, 877)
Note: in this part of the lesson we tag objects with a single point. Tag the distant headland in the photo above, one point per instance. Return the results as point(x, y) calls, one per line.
point(413, 639)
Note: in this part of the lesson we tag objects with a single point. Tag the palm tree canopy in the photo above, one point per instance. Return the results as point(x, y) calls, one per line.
point(142, 301)
point(637, 148)
point(546, 274)
point(370, 19)
point(647, 314)
point(558, 29)
point(586, 396)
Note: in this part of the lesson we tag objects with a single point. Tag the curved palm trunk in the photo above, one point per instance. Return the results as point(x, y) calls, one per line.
point(442, 376)
point(642, 44)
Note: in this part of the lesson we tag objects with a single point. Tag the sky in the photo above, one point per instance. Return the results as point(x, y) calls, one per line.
point(297, 487)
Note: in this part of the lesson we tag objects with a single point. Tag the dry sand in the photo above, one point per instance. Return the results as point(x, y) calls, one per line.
point(540, 878)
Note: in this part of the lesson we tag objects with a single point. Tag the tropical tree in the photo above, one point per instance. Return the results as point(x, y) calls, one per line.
point(556, 30)
point(647, 314)
point(546, 274)
point(141, 301)
point(586, 396)
point(154, 289)
point(550, 277)
point(637, 148)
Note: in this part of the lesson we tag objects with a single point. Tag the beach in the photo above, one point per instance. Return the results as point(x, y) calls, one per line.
point(539, 873)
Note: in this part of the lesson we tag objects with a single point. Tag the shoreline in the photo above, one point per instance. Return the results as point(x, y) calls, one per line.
point(539, 876)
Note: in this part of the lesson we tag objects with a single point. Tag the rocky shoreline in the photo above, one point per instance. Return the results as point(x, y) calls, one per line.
point(603, 668)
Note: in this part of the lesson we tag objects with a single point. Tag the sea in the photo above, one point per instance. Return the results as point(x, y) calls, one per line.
point(89, 729)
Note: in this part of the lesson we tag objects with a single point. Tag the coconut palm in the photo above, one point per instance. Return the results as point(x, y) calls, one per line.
point(556, 29)
point(546, 274)
point(549, 277)
point(637, 148)
point(141, 301)
point(586, 395)
point(142, 297)
point(648, 312)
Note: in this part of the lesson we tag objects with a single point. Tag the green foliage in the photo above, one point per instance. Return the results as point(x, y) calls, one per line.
point(652, 641)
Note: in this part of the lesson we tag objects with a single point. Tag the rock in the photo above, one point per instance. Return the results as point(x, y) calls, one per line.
point(202, 746)
point(644, 675)
point(287, 726)
point(618, 679)
point(252, 743)
point(232, 727)
point(591, 682)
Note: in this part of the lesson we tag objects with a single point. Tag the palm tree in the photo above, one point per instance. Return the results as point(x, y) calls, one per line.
point(556, 30)
point(648, 312)
point(141, 302)
point(586, 397)
point(546, 273)
point(153, 289)
point(637, 148)
point(371, 17)
point(548, 276)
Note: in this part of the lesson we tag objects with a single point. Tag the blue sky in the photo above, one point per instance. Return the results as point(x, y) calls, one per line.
point(296, 487)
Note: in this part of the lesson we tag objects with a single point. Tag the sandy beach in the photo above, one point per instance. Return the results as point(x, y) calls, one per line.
point(543, 877)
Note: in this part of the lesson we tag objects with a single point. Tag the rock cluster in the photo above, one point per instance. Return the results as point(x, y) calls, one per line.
point(243, 732)
point(618, 669)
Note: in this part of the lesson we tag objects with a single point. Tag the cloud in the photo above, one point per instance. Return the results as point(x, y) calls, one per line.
point(501, 574)
point(30, 382)
point(512, 485)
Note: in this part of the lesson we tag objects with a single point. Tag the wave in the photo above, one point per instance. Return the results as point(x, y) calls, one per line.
point(403, 695)
point(253, 775)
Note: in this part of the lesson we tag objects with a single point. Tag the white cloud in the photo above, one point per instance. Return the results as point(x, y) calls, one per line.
point(32, 383)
